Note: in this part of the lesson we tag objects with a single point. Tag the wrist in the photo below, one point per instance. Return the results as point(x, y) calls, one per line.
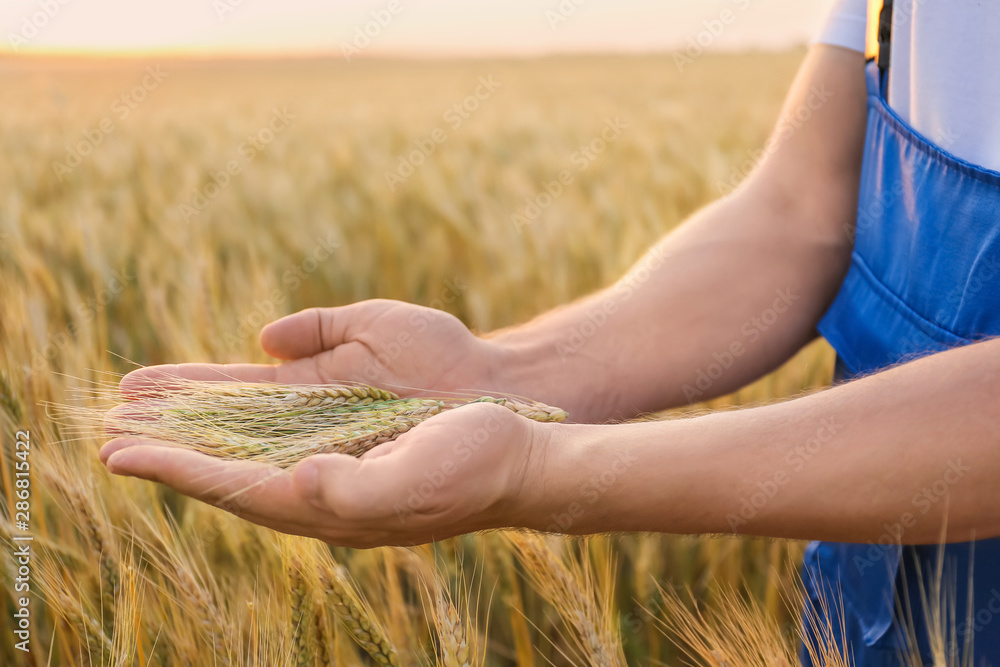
point(556, 491)
point(532, 365)
point(593, 478)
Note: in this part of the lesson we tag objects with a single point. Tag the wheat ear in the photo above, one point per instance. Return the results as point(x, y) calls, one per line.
point(85, 627)
point(100, 541)
point(355, 616)
point(573, 596)
point(454, 644)
point(324, 643)
point(211, 618)
point(283, 424)
point(302, 648)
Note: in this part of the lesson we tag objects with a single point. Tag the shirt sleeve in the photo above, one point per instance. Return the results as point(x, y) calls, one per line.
point(845, 25)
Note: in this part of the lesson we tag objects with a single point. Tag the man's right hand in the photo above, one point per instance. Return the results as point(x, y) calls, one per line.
point(390, 344)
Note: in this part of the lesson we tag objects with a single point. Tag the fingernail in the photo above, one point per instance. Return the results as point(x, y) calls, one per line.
point(116, 463)
point(112, 447)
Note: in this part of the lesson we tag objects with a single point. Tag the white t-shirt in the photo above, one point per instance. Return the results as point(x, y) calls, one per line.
point(944, 76)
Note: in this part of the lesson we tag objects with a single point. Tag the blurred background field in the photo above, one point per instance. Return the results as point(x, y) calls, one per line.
point(128, 236)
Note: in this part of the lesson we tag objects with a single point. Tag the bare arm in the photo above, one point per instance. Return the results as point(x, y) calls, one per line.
point(897, 456)
point(746, 278)
point(893, 457)
point(743, 281)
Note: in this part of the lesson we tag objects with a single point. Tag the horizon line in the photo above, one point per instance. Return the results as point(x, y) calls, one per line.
point(276, 54)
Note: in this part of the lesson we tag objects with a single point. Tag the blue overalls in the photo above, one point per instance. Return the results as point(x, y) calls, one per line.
point(924, 277)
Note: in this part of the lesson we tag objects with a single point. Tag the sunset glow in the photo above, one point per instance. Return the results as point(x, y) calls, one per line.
point(402, 27)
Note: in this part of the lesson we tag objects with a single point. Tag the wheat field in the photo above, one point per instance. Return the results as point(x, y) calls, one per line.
point(162, 211)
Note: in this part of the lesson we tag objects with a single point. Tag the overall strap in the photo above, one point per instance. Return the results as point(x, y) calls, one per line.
point(879, 32)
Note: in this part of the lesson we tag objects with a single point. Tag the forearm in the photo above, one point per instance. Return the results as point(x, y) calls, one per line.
point(724, 300)
point(901, 455)
point(732, 293)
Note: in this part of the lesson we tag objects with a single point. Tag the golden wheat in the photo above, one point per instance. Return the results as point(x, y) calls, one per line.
point(101, 266)
point(282, 424)
point(453, 641)
point(356, 616)
point(573, 595)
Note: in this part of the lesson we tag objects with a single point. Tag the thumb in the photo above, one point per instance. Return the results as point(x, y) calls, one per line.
point(350, 488)
point(306, 333)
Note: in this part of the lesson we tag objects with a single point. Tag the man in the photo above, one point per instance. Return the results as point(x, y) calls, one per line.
point(876, 221)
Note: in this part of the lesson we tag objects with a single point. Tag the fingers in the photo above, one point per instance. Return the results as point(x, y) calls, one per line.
point(381, 450)
point(334, 482)
point(354, 490)
point(118, 444)
point(157, 381)
point(309, 332)
point(295, 338)
point(154, 381)
point(254, 490)
point(303, 334)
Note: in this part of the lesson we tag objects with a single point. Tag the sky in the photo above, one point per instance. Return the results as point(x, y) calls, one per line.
point(425, 28)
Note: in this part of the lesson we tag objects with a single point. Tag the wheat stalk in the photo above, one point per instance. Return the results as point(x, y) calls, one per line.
point(126, 626)
point(356, 617)
point(282, 424)
point(324, 643)
point(302, 647)
point(211, 618)
point(454, 644)
point(9, 401)
point(574, 598)
point(85, 627)
point(734, 634)
point(100, 541)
